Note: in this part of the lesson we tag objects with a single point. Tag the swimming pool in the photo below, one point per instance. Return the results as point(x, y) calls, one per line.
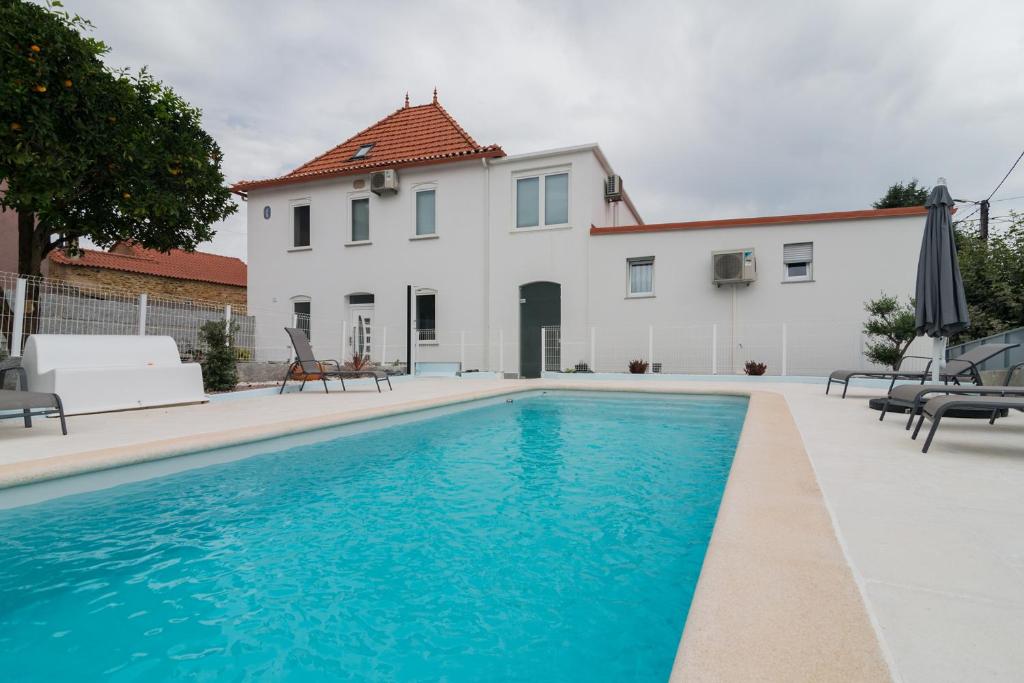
point(554, 537)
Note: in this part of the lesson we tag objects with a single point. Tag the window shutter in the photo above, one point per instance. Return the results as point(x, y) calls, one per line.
point(801, 252)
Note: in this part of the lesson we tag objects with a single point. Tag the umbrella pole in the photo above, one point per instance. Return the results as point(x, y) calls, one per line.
point(938, 356)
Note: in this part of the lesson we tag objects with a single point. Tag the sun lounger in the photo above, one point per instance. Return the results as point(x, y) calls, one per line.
point(937, 408)
point(963, 367)
point(28, 404)
point(911, 396)
point(309, 367)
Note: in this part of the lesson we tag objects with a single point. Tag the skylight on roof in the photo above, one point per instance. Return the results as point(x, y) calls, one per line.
point(363, 151)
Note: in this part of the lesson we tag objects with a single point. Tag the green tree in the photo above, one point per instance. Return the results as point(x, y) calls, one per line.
point(89, 152)
point(219, 370)
point(890, 328)
point(993, 275)
point(899, 195)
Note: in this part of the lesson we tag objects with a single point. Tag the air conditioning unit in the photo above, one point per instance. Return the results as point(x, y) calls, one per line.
point(613, 188)
point(734, 266)
point(384, 182)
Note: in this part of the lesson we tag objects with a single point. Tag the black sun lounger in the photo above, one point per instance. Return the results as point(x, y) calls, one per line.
point(325, 369)
point(963, 367)
point(937, 408)
point(911, 397)
point(28, 404)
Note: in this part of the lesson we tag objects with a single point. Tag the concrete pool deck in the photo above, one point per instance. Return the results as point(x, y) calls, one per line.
point(899, 558)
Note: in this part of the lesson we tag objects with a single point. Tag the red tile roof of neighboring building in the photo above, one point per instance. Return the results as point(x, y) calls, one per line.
point(177, 264)
point(763, 220)
point(411, 136)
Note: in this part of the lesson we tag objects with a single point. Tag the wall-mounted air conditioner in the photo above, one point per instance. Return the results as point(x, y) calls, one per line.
point(384, 182)
point(734, 266)
point(613, 188)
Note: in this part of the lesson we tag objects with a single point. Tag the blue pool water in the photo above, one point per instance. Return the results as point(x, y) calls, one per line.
point(554, 538)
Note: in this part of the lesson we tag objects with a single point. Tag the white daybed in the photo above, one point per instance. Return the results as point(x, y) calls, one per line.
point(100, 373)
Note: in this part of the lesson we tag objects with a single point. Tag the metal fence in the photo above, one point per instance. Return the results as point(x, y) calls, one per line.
point(35, 305)
point(1002, 361)
point(787, 348)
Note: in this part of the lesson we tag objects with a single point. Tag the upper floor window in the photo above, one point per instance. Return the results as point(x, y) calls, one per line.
point(362, 151)
point(361, 219)
point(797, 260)
point(542, 197)
point(641, 276)
point(426, 212)
point(300, 226)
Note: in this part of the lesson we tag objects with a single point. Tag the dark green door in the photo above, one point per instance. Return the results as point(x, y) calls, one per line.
point(540, 305)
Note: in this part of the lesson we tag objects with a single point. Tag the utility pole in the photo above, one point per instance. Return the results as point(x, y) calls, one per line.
point(984, 220)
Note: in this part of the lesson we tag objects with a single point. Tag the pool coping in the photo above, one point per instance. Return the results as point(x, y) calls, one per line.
point(773, 552)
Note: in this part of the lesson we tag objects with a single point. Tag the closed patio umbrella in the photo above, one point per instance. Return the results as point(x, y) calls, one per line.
point(941, 303)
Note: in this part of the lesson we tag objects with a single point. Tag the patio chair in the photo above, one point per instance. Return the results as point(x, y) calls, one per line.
point(312, 369)
point(911, 397)
point(961, 367)
point(937, 408)
point(20, 403)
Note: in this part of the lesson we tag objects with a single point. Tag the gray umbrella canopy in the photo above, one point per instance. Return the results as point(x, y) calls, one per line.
point(941, 304)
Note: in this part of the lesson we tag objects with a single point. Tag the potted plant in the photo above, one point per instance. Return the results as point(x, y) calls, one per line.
point(752, 367)
point(638, 366)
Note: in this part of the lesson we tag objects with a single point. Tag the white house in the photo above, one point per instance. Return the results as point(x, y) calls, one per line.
point(495, 247)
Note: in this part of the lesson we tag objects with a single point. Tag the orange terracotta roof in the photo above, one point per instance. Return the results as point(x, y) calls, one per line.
point(177, 264)
point(763, 220)
point(411, 136)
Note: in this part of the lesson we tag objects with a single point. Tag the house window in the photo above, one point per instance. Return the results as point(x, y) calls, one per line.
point(426, 306)
point(797, 259)
point(361, 219)
point(550, 202)
point(301, 309)
point(362, 152)
point(300, 226)
point(426, 212)
point(641, 276)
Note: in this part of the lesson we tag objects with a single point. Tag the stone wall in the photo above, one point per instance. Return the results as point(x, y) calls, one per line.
point(137, 283)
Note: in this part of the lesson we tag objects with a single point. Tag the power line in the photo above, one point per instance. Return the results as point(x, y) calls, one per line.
point(1006, 176)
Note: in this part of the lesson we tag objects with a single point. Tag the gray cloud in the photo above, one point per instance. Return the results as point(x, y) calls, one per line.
point(708, 109)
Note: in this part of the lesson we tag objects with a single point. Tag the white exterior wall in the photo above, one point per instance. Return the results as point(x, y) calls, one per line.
point(479, 260)
point(854, 260)
point(453, 263)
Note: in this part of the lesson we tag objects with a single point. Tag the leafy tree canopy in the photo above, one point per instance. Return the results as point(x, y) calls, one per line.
point(899, 195)
point(993, 274)
point(90, 152)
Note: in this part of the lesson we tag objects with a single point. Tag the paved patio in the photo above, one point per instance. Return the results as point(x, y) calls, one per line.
point(934, 540)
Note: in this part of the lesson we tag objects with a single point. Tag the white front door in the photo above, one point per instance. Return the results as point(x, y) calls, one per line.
point(361, 337)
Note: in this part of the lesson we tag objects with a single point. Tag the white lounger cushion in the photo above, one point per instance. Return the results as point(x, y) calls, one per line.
point(98, 373)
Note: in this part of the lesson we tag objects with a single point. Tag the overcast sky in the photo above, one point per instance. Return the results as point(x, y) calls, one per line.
point(707, 109)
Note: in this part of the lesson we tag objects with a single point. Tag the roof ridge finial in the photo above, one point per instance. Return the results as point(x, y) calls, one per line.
point(406, 99)
point(435, 94)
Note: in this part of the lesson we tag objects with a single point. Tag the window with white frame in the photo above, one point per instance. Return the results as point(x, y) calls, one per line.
point(361, 219)
point(300, 225)
point(542, 197)
point(797, 261)
point(301, 310)
point(426, 212)
point(426, 316)
point(641, 276)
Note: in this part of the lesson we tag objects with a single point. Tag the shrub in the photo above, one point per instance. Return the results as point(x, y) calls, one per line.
point(890, 329)
point(582, 366)
point(752, 367)
point(638, 367)
point(218, 361)
point(358, 362)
